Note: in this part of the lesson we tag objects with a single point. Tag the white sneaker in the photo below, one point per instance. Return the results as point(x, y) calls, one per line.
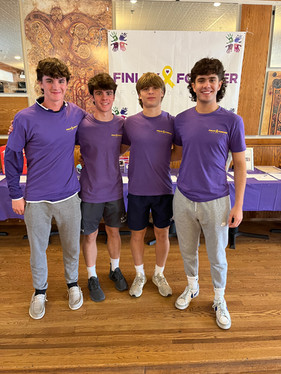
point(185, 298)
point(37, 306)
point(75, 297)
point(163, 286)
point(222, 315)
point(137, 286)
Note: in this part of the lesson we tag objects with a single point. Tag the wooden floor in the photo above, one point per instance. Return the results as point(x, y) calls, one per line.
point(144, 335)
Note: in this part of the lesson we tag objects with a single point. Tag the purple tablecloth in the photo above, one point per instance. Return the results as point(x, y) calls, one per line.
point(259, 196)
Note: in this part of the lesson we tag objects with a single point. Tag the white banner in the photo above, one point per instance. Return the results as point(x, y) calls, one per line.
point(171, 54)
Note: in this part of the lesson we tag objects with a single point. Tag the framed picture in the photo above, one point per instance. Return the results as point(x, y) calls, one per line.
point(271, 121)
point(249, 155)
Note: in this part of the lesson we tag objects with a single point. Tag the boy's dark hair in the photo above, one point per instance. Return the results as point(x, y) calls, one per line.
point(207, 66)
point(102, 81)
point(52, 67)
point(150, 80)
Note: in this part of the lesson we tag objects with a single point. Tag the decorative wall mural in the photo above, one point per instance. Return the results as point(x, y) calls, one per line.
point(75, 32)
point(271, 123)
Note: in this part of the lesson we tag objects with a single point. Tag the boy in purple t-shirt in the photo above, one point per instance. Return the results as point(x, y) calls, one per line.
point(150, 137)
point(99, 137)
point(206, 134)
point(47, 131)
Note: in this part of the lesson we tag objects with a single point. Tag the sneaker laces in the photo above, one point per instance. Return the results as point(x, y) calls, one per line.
point(186, 292)
point(117, 274)
point(220, 307)
point(161, 279)
point(138, 280)
point(94, 282)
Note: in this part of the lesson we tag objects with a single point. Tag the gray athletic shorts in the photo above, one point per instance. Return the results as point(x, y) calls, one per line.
point(112, 212)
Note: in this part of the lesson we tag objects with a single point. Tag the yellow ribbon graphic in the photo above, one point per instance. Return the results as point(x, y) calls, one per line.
point(167, 76)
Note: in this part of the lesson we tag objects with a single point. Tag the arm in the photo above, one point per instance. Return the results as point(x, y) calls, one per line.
point(13, 170)
point(176, 153)
point(236, 213)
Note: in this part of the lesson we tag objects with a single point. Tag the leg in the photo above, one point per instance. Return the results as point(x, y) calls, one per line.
point(161, 249)
point(114, 249)
point(138, 220)
point(162, 245)
point(214, 216)
point(137, 249)
point(113, 242)
point(90, 255)
point(38, 224)
point(91, 217)
point(90, 250)
point(214, 224)
point(137, 246)
point(188, 232)
point(68, 219)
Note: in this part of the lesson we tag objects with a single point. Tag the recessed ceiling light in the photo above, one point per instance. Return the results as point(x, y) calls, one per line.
point(133, 1)
point(17, 57)
point(217, 4)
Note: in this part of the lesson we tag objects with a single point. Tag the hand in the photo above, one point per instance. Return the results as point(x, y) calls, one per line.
point(18, 206)
point(235, 217)
point(11, 128)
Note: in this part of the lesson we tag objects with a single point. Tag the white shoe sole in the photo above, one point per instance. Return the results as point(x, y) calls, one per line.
point(224, 327)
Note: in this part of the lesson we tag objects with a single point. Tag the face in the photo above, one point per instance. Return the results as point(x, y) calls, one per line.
point(206, 88)
point(54, 89)
point(151, 97)
point(103, 100)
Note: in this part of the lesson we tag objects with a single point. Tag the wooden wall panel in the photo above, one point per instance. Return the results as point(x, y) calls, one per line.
point(266, 151)
point(9, 106)
point(255, 19)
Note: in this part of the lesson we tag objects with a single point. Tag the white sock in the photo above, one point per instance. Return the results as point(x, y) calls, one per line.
point(159, 269)
point(193, 282)
point(91, 271)
point(219, 293)
point(140, 269)
point(114, 263)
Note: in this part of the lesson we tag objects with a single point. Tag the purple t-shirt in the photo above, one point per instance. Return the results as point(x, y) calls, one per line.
point(150, 140)
point(206, 141)
point(48, 139)
point(100, 142)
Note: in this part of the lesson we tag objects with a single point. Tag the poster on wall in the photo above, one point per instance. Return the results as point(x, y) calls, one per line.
point(171, 54)
point(76, 33)
point(271, 121)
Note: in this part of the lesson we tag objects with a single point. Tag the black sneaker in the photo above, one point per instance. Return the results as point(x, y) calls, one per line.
point(96, 293)
point(118, 278)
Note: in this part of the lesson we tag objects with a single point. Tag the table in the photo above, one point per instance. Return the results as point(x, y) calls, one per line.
point(259, 196)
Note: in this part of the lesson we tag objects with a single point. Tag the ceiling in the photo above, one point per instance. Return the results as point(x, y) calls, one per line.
point(144, 15)
point(175, 15)
point(10, 35)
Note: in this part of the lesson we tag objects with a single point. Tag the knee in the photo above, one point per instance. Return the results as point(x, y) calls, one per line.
point(138, 236)
point(112, 232)
point(161, 234)
point(91, 237)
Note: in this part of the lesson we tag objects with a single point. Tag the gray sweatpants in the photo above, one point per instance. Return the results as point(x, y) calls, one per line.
point(212, 217)
point(38, 220)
